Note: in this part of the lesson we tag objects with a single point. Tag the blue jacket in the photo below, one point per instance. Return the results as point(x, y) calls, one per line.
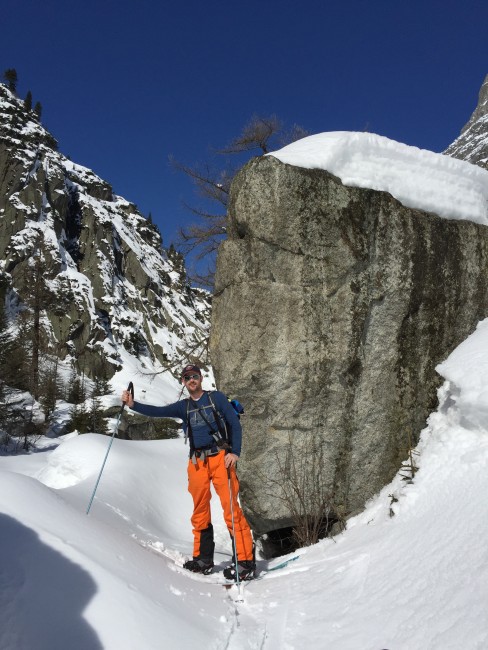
point(202, 436)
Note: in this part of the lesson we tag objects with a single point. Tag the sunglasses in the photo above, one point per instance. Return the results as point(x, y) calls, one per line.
point(188, 377)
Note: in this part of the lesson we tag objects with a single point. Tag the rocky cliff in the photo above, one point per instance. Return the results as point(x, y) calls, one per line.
point(472, 143)
point(108, 286)
point(333, 305)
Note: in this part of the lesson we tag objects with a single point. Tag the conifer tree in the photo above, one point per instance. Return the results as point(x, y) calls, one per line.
point(18, 364)
point(37, 297)
point(79, 415)
point(10, 77)
point(38, 110)
point(80, 419)
point(5, 337)
point(5, 353)
point(76, 389)
point(178, 262)
point(28, 101)
point(98, 424)
point(20, 361)
point(50, 387)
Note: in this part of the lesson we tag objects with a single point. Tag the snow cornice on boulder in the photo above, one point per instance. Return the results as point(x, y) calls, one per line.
point(418, 178)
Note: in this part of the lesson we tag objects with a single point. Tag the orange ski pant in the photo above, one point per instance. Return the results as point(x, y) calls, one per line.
point(200, 475)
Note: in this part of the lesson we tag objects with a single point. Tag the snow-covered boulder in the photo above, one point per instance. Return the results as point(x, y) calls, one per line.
point(338, 292)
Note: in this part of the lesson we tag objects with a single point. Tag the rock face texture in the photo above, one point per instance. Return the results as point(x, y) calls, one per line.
point(107, 285)
point(472, 144)
point(333, 306)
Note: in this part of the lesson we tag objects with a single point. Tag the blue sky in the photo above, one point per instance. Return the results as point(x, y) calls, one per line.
point(126, 84)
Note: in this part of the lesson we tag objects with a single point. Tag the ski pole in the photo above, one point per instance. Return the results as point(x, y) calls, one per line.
point(234, 536)
point(130, 388)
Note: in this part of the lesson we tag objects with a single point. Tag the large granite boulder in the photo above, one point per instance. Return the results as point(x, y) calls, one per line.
point(332, 307)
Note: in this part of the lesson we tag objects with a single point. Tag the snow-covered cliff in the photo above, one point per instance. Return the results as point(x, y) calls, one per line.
point(108, 287)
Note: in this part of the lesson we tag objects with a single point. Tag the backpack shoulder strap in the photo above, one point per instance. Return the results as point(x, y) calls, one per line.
point(189, 432)
point(209, 393)
point(219, 418)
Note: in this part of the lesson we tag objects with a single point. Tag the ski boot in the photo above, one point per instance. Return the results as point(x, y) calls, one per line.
point(199, 565)
point(246, 569)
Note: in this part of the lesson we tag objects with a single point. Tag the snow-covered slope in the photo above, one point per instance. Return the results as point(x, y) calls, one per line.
point(418, 178)
point(418, 579)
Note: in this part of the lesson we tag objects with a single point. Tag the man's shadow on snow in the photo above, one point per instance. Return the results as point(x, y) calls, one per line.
point(42, 594)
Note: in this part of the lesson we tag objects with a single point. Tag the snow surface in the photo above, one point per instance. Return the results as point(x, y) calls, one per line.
point(453, 189)
point(111, 580)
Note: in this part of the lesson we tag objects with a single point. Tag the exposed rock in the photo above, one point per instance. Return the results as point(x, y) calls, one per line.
point(472, 144)
point(139, 427)
point(333, 306)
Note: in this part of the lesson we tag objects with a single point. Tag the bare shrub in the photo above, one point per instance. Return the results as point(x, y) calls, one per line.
point(301, 484)
point(212, 182)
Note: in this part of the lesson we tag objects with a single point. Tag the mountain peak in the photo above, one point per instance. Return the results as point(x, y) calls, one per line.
point(17, 120)
point(472, 143)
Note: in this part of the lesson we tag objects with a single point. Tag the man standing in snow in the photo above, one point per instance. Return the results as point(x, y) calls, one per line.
point(215, 435)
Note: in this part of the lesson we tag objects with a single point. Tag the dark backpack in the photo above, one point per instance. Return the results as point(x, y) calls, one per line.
point(237, 406)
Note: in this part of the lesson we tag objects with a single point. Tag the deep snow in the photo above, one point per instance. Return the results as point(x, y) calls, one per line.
point(416, 580)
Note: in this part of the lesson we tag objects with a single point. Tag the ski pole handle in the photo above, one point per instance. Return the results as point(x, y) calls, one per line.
point(130, 389)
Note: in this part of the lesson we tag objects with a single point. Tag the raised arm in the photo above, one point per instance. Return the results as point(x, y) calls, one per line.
point(174, 410)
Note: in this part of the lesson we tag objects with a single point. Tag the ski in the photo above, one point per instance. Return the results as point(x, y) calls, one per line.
point(283, 564)
point(216, 578)
point(177, 559)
